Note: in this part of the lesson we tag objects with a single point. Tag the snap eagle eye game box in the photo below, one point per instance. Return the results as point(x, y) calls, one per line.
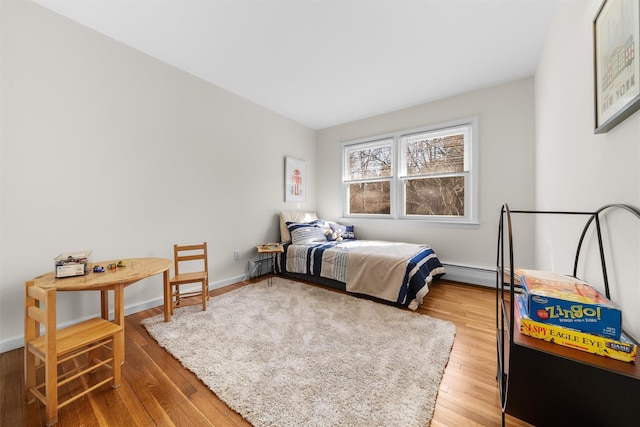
point(556, 299)
point(623, 349)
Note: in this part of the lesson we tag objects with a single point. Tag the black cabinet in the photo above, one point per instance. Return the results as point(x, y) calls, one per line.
point(546, 384)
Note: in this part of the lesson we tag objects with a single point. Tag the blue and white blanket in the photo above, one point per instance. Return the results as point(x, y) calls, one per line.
point(392, 271)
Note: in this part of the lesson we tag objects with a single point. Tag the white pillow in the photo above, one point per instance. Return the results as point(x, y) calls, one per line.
point(307, 235)
point(293, 216)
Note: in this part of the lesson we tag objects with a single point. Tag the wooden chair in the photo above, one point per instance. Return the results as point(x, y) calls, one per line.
point(67, 354)
point(185, 255)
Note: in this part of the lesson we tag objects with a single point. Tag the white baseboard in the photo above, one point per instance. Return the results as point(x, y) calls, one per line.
point(472, 275)
point(18, 341)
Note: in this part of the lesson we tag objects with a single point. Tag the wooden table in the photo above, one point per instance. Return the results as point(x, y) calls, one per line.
point(135, 270)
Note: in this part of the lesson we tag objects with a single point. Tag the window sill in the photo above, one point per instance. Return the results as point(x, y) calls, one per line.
point(441, 222)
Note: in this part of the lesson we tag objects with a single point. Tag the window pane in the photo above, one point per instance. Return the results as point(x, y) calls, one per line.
point(435, 196)
point(435, 155)
point(372, 162)
point(370, 198)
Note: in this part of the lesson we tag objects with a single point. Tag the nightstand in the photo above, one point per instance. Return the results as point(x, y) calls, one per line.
point(266, 253)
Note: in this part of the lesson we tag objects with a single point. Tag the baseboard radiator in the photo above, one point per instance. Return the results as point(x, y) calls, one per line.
point(471, 275)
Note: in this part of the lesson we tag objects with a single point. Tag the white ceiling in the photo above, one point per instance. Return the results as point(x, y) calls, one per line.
point(327, 62)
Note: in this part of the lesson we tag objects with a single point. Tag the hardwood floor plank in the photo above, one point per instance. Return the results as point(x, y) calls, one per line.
point(160, 397)
point(11, 384)
point(470, 409)
point(157, 390)
point(446, 417)
point(128, 401)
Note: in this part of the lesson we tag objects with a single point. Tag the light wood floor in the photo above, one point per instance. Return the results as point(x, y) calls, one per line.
point(157, 391)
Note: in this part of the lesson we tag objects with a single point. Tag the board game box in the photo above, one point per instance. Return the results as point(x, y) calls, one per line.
point(565, 301)
point(623, 349)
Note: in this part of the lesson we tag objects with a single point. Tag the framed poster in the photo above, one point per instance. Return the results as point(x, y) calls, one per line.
point(616, 29)
point(295, 180)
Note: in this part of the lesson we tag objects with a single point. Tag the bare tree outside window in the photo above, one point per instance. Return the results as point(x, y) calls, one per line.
point(370, 170)
point(370, 198)
point(428, 189)
point(435, 155)
point(435, 196)
point(370, 163)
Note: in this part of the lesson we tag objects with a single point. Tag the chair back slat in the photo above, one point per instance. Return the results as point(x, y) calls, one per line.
point(37, 292)
point(37, 314)
point(190, 257)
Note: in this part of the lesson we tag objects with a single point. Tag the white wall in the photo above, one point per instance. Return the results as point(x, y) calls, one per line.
point(506, 164)
point(105, 148)
point(577, 170)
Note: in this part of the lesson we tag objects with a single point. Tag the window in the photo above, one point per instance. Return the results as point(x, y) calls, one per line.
point(425, 174)
point(369, 172)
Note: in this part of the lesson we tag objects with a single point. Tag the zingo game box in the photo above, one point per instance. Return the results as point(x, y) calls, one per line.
point(556, 299)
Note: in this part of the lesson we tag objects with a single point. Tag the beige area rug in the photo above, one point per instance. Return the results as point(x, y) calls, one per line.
point(292, 354)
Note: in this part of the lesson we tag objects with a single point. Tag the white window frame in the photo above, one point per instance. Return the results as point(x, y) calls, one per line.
point(398, 176)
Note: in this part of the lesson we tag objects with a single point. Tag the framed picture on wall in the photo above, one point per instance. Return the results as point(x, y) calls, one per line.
point(295, 180)
point(616, 31)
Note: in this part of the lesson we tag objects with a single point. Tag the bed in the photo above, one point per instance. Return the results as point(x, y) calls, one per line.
point(329, 254)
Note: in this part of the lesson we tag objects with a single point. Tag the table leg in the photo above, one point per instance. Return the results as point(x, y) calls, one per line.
point(168, 306)
point(104, 304)
point(118, 302)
